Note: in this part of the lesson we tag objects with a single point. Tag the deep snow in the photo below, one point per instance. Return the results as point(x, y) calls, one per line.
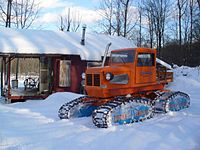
point(35, 125)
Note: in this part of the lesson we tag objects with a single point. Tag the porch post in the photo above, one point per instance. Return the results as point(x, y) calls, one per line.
point(2, 72)
point(8, 77)
point(43, 75)
point(4, 78)
point(17, 68)
point(50, 74)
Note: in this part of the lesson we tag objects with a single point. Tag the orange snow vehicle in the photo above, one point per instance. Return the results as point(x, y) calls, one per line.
point(130, 89)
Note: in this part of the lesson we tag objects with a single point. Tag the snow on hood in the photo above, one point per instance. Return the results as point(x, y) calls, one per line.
point(58, 42)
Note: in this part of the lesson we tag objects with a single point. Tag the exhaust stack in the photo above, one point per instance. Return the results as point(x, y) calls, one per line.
point(106, 53)
point(83, 34)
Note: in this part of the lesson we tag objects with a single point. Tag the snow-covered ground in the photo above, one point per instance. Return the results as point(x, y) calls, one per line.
point(34, 125)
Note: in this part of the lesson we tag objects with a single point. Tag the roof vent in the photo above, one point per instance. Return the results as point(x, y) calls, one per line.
point(83, 34)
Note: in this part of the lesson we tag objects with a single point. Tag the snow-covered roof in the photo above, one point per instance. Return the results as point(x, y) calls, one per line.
point(58, 42)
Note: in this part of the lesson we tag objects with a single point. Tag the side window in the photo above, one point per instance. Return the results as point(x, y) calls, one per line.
point(145, 59)
point(64, 76)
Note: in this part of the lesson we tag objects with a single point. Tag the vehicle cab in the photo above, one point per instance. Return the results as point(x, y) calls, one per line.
point(128, 71)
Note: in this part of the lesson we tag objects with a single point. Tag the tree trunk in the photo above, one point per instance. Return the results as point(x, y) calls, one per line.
point(125, 17)
point(8, 15)
point(140, 30)
point(179, 20)
point(198, 1)
point(118, 18)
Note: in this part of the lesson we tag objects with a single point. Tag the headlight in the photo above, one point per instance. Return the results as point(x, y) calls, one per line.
point(109, 76)
point(83, 75)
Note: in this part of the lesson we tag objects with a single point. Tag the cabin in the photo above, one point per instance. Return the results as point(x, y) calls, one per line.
point(61, 58)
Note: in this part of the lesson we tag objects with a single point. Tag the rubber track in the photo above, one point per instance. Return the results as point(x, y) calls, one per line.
point(101, 116)
point(174, 94)
point(167, 97)
point(64, 111)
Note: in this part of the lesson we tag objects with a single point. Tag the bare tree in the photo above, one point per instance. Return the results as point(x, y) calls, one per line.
point(76, 21)
point(107, 13)
point(26, 11)
point(196, 30)
point(118, 17)
point(151, 28)
point(118, 25)
point(5, 8)
point(196, 23)
point(157, 12)
point(181, 12)
point(144, 29)
point(68, 20)
point(148, 16)
point(198, 1)
point(8, 15)
point(62, 25)
point(18, 13)
point(191, 20)
point(71, 21)
point(128, 17)
point(186, 23)
point(139, 43)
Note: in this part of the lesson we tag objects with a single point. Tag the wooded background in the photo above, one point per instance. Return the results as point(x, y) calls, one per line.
point(170, 26)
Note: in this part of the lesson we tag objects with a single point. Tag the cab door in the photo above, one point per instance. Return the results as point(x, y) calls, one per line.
point(145, 68)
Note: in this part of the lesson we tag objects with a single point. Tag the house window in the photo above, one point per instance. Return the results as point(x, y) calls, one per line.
point(145, 59)
point(64, 76)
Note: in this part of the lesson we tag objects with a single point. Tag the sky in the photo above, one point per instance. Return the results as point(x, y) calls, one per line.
point(50, 10)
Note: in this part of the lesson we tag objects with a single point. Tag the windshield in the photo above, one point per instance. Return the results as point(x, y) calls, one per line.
point(122, 56)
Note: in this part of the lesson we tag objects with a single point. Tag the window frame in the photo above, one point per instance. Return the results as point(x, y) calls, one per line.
point(145, 63)
point(64, 79)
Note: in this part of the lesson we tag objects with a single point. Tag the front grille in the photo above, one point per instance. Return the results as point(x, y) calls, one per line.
point(89, 79)
point(96, 79)
point(93, 79)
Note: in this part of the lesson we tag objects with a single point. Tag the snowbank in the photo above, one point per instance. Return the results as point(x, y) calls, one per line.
point(35, 125)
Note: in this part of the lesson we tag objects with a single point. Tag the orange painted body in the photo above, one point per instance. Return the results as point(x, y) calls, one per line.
point(136, 78)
